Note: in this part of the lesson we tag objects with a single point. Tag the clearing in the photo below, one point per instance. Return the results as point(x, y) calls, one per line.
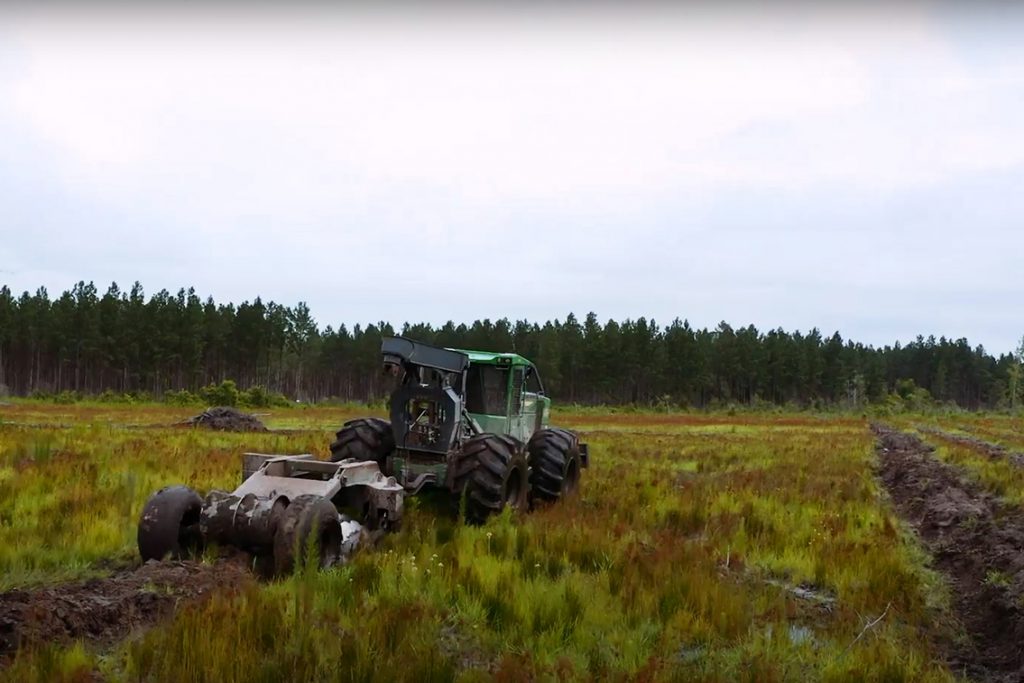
point(701, 547)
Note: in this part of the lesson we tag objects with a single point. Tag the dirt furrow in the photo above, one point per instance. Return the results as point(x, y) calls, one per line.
point(976, 542)
point(986, 448)
point(105, 610)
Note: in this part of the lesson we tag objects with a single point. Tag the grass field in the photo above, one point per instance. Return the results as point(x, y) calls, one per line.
point(1004, 430)
point(701, 547)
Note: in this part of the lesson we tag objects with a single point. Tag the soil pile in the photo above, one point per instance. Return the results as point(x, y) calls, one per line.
point(225, 419)
point(976, 542)
point(106, 610)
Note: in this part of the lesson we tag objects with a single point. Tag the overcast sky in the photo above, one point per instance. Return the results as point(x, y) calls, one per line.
point(859, 171)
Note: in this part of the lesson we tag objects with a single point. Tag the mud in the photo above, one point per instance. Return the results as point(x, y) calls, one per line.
point(225, 419)
point(102, 611)
point(977, 543)
point(986, 448)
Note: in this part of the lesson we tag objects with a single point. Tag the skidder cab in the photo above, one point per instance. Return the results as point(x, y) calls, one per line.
point(472, 422)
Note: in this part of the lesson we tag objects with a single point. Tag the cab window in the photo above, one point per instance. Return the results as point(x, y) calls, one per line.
point(486, 389)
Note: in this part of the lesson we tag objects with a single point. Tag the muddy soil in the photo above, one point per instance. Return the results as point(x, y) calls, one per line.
point(976, 542)
point(103, 611)
point(225, 419)
point(986, 448)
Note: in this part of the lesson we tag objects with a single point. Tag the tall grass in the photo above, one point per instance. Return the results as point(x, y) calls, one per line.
point(740, 549)
point(70, 498)
point(1001, 476)
point(1004, 430)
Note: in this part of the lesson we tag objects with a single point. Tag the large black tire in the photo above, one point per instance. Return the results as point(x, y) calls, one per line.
point(307, 517)
point(555, 464)
point(169, 525)
point(367, 438)
point(491, 472)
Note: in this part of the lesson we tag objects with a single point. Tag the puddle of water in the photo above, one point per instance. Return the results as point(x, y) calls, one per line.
point(797, 634)
point(691, 653)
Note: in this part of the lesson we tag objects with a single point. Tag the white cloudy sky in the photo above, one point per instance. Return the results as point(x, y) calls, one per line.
point(858, 171)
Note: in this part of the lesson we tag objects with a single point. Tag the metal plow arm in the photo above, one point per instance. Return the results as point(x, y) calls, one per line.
point(348, 483)
point(401, 350)
point(248, 517)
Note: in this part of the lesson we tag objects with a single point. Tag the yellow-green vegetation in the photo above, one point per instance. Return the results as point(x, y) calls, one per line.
point(1003, 475)
point(38, 413)
point(717, 548)
point(1002, 430)
point(69, 497)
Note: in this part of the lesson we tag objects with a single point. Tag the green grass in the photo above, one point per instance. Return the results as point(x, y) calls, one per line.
point(678, 561)
point(1004, 430)
point(1000, 476)
point(69, 498)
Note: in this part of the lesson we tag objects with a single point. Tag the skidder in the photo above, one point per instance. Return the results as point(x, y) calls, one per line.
point(472, 422)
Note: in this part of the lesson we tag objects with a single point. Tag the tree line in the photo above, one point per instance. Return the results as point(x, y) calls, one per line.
point(127, 342)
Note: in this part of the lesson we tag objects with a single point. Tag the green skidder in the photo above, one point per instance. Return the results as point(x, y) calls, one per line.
point(472, 422)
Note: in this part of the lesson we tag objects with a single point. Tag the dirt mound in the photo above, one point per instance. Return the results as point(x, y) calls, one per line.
point(106, 610)
point(976, 542)
point(986, 448)
point(225, 419)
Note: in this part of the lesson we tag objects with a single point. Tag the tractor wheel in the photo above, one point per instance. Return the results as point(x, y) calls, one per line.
point(170, 524)
point(307, 517)
point(491, 471)
point(554, 464)
point(368, 438)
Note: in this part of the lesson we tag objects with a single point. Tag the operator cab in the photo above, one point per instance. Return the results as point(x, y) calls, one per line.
point(486, 387)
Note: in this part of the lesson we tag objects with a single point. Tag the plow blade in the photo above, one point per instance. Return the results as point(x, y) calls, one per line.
point(284, 504)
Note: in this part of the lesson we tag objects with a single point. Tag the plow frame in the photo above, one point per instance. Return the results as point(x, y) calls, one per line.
point(349, 484)
point(281, 501)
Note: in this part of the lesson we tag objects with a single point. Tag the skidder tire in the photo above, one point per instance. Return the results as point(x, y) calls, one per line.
point(555, 464)
point(367, 438)
point(491, 472)
point(307, 518)
point(169, 524)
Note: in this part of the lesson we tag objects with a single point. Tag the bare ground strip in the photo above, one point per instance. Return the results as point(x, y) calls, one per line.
point(976, 542)
point(106, 610)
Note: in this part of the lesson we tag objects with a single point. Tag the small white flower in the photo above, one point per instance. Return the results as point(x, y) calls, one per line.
point(440, 564)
